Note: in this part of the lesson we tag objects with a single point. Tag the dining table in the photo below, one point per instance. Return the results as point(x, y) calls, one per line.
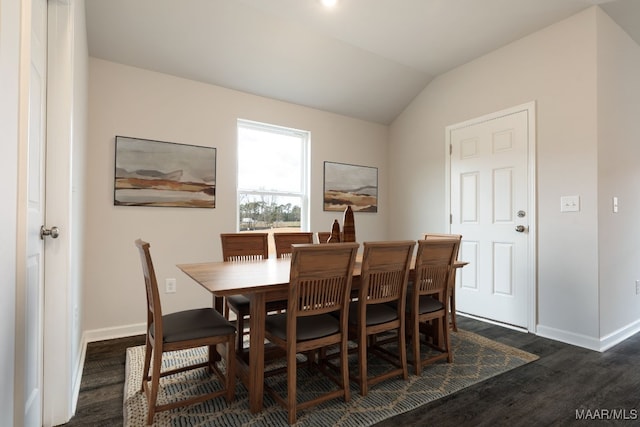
point(260, 281)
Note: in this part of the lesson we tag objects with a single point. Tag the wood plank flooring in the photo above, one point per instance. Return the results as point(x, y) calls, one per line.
point(546, 392)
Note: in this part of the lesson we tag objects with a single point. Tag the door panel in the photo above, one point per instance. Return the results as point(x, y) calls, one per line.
point(489, 185)
point(468, 253)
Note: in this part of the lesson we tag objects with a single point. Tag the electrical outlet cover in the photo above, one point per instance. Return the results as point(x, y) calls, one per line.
point(170, 286)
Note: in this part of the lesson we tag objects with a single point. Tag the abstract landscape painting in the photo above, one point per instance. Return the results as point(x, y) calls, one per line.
point(155, 173)
point(350, 185)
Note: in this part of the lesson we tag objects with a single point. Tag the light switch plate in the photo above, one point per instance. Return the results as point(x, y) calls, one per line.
point(570, 204)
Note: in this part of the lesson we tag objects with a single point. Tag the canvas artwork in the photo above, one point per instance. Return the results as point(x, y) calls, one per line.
point(156, 173)
point(350, 185)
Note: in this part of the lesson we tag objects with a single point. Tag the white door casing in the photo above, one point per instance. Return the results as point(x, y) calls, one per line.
point(36, 153)
point(65, 85)
point(491, 197)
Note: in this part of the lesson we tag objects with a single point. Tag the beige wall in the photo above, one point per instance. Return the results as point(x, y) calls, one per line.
point(618, 175)
point(132, 102)
point(556, 68)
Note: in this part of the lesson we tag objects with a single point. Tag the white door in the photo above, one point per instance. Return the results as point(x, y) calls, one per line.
point(492, 208)
point(34, 293)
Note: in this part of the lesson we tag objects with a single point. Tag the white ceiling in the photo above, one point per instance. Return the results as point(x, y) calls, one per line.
point(365, 58)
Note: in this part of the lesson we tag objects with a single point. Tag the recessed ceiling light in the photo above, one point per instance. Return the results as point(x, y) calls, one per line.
point(329, 3)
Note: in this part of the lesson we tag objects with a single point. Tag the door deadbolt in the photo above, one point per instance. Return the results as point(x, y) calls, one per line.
point(521, 214)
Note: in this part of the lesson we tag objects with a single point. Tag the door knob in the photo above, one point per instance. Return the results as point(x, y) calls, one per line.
point(520, 228)
point(54, 232)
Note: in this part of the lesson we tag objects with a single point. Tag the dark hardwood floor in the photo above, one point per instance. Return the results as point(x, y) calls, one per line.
point(549, 391)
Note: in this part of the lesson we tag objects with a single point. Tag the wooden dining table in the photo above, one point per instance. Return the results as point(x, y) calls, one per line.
point(260, 281)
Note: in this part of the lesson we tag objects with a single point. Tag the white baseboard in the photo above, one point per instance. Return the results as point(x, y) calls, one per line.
point(618, 336)
point(115, 332)
point(584, 341)
point(567, 337)
point(591, 343)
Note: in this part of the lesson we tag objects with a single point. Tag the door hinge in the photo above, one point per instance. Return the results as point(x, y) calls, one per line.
point(450, 149)
point(450, 219)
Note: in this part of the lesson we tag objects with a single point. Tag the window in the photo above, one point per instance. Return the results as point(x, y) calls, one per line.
point(272, 177)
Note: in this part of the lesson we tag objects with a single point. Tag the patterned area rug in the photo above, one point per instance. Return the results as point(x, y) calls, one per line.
point(475, 359)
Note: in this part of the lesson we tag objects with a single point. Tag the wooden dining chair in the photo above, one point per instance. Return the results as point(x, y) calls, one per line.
point(320, 283)
point(427, 299)
point(283, 242)
point(244, 247)
point(323, 236)
point(380, 307)
point(178, 331)
point(452, 285)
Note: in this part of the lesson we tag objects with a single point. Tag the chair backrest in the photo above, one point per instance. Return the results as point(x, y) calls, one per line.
point(323, 236)
point(320, 278)
point(154, 310)
point(283, 242)
point(434, 264)
point(430, 236)
point(244, 246)
point(385, 272)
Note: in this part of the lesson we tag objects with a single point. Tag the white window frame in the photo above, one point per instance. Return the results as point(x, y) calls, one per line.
point(305, 137)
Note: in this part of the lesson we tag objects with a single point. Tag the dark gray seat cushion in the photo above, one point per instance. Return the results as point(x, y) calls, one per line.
point(307, 328)
point(194, 324)
point(426, 304)
point(240, 304)
point(238, 301)
point(376, 313)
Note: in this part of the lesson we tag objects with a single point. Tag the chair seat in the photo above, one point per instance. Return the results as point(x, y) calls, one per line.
point(241, 304)
point(194, 324)
point(426, 304)
point(307, 328)
point(376, 313)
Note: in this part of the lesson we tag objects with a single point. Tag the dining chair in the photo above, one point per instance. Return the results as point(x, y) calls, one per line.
point(179, 331)
point(319, 284)
point(380, 307)
point(427, 299)
point(283, 242)
point(323, 236)
point(244, 247)
point(452, 287)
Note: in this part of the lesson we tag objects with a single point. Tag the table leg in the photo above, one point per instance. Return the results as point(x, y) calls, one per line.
point(256, 350)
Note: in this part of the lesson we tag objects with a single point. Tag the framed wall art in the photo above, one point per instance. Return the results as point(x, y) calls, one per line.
point(157, 173)
point(350, 185)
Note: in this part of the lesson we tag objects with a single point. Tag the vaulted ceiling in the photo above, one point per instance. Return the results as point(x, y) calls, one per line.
point(364, 58)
